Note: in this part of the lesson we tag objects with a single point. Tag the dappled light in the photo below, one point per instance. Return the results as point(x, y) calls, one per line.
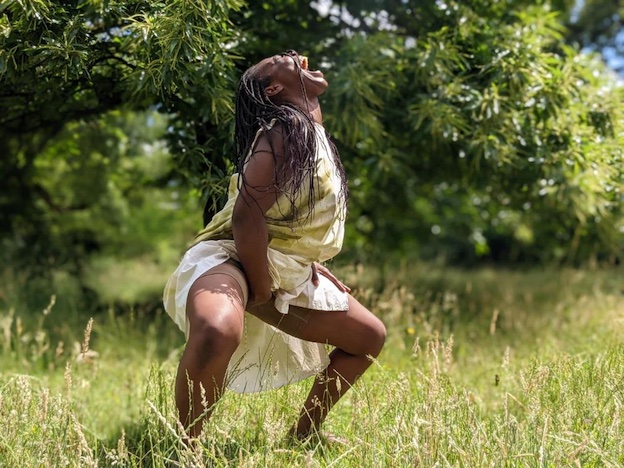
point(482, 145)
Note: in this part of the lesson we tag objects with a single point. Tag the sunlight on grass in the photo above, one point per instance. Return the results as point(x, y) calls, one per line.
point(128, 281)
point(481, 368)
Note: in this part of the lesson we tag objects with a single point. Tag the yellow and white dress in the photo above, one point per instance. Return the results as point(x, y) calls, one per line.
point(267, 357)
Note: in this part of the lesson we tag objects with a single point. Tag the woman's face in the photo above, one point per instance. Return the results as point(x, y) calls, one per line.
point(287, 71)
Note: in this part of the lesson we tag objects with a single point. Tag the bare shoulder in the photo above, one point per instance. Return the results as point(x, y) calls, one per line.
point(270, 143)
point(265, 158)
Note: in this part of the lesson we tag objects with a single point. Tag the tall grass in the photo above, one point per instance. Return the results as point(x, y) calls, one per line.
point(481, 368)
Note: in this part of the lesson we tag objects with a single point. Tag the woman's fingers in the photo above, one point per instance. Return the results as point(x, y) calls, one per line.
point(315, 280)
point(317, 268)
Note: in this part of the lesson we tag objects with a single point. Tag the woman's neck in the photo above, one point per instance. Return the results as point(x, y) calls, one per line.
point(312, 108)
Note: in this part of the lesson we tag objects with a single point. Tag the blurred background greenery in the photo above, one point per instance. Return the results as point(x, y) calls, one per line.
point(477, 132)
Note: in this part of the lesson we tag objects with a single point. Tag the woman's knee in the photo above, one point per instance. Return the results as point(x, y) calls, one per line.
point(215, 335)
point(375, 337)
point(372, 331)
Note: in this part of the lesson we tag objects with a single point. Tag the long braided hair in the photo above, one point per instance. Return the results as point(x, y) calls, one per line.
point(255, 111)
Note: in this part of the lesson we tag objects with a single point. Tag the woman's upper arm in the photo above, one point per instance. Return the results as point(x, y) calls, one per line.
point(259, 186)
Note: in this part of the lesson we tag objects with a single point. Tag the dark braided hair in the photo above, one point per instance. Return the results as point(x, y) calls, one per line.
point(255, 111)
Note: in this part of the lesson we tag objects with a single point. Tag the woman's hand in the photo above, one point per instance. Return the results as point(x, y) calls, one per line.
point(318, 269)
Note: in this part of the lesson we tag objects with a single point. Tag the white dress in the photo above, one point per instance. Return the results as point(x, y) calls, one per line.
point(267, 357)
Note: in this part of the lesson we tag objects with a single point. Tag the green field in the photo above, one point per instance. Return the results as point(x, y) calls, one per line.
point(481, 368)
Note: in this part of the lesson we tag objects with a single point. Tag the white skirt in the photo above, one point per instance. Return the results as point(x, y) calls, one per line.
point(267, 357)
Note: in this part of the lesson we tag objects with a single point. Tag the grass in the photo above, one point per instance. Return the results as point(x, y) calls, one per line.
point(481, 368)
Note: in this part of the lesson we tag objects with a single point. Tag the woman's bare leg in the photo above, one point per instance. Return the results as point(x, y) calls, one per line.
point(215, 313)
point(356, 334)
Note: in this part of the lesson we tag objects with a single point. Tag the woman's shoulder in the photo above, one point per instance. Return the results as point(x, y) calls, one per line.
point(270, 139)
point(274, 130)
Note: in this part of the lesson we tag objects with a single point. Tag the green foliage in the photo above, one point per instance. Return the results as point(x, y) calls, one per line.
point(470, 130)
point(64, 67)
point(106, 196)
point(597, 24)
point(511, 136)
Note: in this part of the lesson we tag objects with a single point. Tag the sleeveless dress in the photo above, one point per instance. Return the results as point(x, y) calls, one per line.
point(267, 357)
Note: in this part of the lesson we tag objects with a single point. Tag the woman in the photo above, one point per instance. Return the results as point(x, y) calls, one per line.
point(259, 255)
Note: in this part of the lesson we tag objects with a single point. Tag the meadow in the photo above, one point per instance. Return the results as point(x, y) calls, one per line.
point(486, 367)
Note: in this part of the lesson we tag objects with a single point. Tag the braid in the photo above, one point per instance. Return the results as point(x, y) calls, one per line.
point(255, 111)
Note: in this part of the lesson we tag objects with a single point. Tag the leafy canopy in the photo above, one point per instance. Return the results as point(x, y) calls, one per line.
point(469, 129)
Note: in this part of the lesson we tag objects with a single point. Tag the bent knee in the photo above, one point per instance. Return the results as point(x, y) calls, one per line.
point(370, 340)
point(215, 337)
point(375, 337)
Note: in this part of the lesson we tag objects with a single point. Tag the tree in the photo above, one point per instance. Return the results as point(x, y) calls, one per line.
point(480, 109)
point(66, 62)
point(468, 128)
point(598, 25)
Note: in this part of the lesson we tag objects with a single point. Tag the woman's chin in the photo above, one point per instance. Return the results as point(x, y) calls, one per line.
point(316, 87)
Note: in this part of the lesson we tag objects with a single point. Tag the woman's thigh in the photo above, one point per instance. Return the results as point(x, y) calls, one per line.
point(356, 330)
